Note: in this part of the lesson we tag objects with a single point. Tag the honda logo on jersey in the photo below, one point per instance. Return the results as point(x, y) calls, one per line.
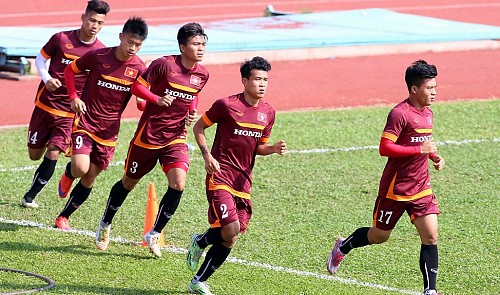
point(195, 80)
point(132, 73)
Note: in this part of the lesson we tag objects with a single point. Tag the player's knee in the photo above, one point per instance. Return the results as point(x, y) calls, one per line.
point(178, 185)
point(129, 183)
point(36, 154)
point(378, 236)
point(230, 232)
point(430, 239)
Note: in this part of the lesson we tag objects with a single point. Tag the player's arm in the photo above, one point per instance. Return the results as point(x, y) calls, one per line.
point(264, 148)
point(192, 113)
point(77, 105)
point(41, 65)
point(211, 164)
point(389, 148)
point(140, 88)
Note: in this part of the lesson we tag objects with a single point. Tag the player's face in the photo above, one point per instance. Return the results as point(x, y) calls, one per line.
point(256, 84)
point(194, 50)
point(130, 44)
point(91, 24)
point(426, 93)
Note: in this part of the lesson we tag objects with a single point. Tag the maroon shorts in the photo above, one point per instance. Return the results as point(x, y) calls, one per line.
point(142, 160)
point(387, 211)
point(225, 208)
point(100, 155)
point(46, 128)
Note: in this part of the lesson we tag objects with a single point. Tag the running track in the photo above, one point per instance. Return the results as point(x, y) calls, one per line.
point(331, 83)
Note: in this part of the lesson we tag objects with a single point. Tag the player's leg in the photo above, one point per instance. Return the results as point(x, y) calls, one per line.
point(235, 214)
point(174, 160)
point(98, 160)
point(424, 213)
point(42, 139)
point(80, 162)
point(139, 162)
point(386, 214)
point(78, 196)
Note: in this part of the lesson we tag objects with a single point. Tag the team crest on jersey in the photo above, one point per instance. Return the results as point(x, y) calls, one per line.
point(173, 73)
point(261, 117)
point(106, 66)
point(195, 80)
point(429, 120)
point(415, 120)
point(131, 73)
point(68, 46)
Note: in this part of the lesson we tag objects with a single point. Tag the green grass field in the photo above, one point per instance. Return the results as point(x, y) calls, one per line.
point(302, 201)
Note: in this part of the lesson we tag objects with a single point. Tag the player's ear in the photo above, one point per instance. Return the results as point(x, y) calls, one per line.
point(414, 89)
point(82, 17)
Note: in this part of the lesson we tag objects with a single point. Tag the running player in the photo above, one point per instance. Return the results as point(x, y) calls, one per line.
point(244, 122)
point(175, 82)
point(112, 71)
point(49, 131)
point(405, 183)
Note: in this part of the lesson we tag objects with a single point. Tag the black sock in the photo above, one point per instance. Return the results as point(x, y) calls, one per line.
point(42, 176)
point(168, 205)
point(429, 265)
point(214, 259)
point(67, 171)
point(358, 238)
point(210, 237)
point(117, 196)
point(77, 196)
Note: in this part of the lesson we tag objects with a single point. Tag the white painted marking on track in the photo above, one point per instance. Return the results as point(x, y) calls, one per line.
point(310, 151)
point(230, 259)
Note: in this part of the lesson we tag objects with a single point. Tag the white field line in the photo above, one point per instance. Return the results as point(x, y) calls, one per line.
point(177, 250)
point(311, 151)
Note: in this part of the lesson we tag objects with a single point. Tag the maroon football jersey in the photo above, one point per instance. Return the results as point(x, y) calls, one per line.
point(158, 125)
point(106, 92)
point(62, 48)
point(240, 128)
point(407, 178)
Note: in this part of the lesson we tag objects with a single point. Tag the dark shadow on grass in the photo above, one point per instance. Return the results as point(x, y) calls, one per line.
point(8, 227)
point(76, 289)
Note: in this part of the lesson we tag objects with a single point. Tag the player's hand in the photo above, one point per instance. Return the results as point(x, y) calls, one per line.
point(53, 84)
point(78, 106)
point(166, 101)
point(211, 164)
point(191, 117)
point(428, 147)
point(438, 162)
point(280, 147)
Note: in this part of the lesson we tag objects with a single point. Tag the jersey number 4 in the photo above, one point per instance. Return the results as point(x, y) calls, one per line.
point(32, 138)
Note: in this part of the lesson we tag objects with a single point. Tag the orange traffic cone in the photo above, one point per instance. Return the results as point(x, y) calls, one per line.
point(151, 212)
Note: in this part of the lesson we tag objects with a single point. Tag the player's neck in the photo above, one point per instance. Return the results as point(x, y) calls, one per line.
point(120, 56)
point(84, 38)
point(251, 100)
point(414, 103)
point(187, 63)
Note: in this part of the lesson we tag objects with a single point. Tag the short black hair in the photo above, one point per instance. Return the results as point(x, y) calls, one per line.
point(257, 62)
point(418, 72)
point(136, 26)
point(188, 31)
point(97, 6)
